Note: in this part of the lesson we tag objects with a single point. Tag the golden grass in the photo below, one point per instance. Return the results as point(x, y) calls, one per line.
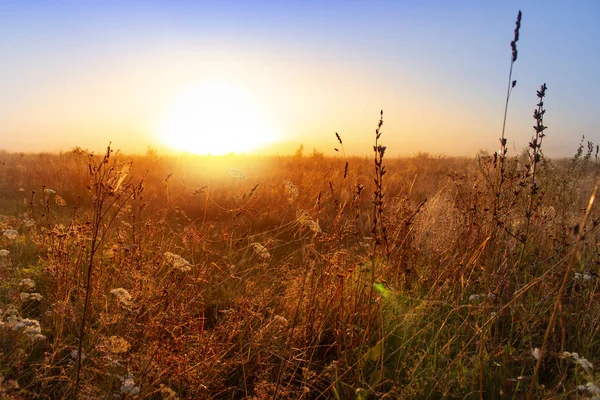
point(208, 285)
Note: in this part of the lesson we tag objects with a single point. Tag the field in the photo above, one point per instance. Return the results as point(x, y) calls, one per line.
point(298, 276)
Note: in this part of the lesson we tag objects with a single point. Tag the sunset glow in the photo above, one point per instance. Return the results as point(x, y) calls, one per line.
point(267, 77)
point(215, 118)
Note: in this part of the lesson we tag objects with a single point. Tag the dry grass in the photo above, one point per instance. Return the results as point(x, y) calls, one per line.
point(205, 285)
point(300, 277)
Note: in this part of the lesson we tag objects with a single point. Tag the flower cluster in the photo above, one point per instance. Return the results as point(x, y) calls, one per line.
point(291, 191)
point(178, 262)
point(122, 296)
point(10, 234)
point(261, 251)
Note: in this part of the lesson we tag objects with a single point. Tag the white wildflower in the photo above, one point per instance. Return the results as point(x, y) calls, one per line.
point(27, 284)
point(31, 327)
point(583, 276)
point(261, 251)
point(581, 361)
point(31, 297)
point(122, 296)
point(477, 297)
point(304, 220)
point(592, 388)
point(75, 354)
point(178, 262)
point(291, 191)
point(10, 234)
point(236, 174)
point(129, 387)
point(535, 353)
point(4, 253)
point(12, 316)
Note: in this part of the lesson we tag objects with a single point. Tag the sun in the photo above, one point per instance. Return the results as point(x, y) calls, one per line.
point(215, 118)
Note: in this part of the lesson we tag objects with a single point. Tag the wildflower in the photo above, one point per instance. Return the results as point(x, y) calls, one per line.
point(583, 276)
point(12, 315)
point(305, 221)
point(291, 191)
point(261, 251)
point(59, 200)
point(178, 262)
point(129, 387)
point(49, 191)
point(477, 297)
point(75, 354)
point(27, 284)
point(592, 388)
point(581, 361)
point(31, 296)
point(4, 253)
point(122, 296)
point(236, 174)
point(115, 345)
point(10, 234)
point(535, 353)
point(474, 297)
point(31, 327)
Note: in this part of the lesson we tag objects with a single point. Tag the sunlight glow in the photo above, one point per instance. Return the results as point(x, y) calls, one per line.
point(215, 118)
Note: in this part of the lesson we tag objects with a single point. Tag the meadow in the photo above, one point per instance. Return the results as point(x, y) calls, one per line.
point(301, 276)
point(298, 276)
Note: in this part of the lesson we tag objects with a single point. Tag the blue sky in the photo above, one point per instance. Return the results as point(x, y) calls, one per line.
point(85, 73)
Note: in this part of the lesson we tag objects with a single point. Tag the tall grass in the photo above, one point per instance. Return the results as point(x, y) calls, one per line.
point(278, 278)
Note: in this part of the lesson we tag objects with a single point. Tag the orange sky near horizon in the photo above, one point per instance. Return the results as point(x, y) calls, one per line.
point(80, 75)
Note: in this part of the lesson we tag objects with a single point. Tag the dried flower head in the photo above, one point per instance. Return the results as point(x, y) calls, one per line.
point(236, 174)
point(122, 296)
point(178, 262)
point(75, 353)
point(10, 234)
point(31, 327)
point(129, 387)
point(581, 361)
point(114, 345)
point(306, 221)
point(261, 251)
point(27, 284)
point(31, 297)
point(59, 200)
point(291, 191)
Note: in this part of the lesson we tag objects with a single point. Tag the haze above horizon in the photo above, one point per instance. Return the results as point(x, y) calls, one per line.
point(220, 77)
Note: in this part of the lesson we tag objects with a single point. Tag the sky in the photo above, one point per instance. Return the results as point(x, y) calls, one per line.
point(85, 73)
